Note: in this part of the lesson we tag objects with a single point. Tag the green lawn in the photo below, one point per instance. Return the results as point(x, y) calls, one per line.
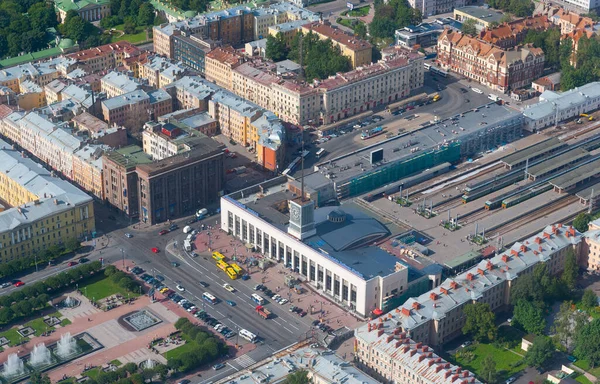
point(116, 362)
point(507, 362)
point(101, 287)
point(65, 322)
point(581, 379)
point(179, 351)
point(594, 312)
point(350, 23)
point(92, 373)
point(359, 12)
point(583, 364)
point(37, 324)
point(138, 37)
point(12, 335)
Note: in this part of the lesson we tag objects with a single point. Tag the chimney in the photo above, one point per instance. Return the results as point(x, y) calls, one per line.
point(398, 343)
point(415, 305)
point(453, 285)
point(538, 240)
point(489, 265)
point(505, 258)
point(547, 235)
point(430, 362)
point(406, 311)
point(444, 290)
point(380, 332)
point(412, 352)
point(514, 252)
point(470, 276)
point(418, 345)
point(433, 296)
point(425, 348)
point(523, 248)
point(480, 271)
point(389, 338)
point(369, 326)
point(421, 358)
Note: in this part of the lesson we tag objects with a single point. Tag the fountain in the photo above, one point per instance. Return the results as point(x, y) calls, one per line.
point(40, 356)
point(70, 302)
point(13, 366)
point(66, 346)
point(148, 364)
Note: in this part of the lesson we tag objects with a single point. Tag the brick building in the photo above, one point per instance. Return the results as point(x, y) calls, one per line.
point(508, 35)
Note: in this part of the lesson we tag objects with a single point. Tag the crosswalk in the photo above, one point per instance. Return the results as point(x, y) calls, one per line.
point(244, 361)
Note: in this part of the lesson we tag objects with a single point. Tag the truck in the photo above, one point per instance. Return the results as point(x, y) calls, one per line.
point(492, 97)
point(263, 312)
point(187, 245)
point(202, 213)
point(371, 133)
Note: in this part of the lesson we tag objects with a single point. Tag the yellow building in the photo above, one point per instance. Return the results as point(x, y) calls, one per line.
point(359, 51)
point(220, 62)
point(31, 96)
point(287, 30)
point(46, 210)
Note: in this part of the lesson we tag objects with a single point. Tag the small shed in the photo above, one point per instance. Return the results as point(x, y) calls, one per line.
point(527, 341)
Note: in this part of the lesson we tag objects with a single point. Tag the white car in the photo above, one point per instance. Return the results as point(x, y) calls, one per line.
point(283, 301)
point(276, 297)
point(180, 288)
point(229, 287)
point(218, 326)
point(128, 235)
point(357, 126)
point(190, 309)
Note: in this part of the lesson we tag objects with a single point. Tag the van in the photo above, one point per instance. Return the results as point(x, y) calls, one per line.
point(493, 97)
point(187, 229)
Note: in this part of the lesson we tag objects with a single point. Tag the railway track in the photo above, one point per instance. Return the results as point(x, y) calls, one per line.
point(474, 216)
point(539, 213)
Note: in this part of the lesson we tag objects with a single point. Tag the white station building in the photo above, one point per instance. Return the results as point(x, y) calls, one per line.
point(330, 247)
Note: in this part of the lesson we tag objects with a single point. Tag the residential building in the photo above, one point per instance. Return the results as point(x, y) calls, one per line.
point(53, 90)
point(120, 178)
point(46, 210)
point(435, 7)
point(191, 92)
point(256, 48)
point(424, 34)
point(194, 119)
point(499, 69)
point(92, 127)
point(181, 184)
point(576, 6)
point(105, 57)
point(359, 51)
point(87, 169)
point(508, 35)
point(133, 109)
point(268, 134)
point(571, 21)
point(437, 317)
point(160, 71)
point(388, 354)
point(234, 115)
point(287, 31)
point(547, 83)
point(279, 13)
point(220, 62)
point(117, 83)
point(90, 10)
point(31, 96)
point(169, 138)
point(171, 12)
point(41, 73)
point(191, 51)
point(553, 107)
point(484, 16)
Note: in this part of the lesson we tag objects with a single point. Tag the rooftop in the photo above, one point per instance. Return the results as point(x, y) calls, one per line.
point(336, 34)
point(551, 101)
point(483, 13)
point(531, 151)
point(579, 173)
point(121, 81)
point(130, 98)
point(89, 122)
point(119, 47)
point(226, 55)
point(54, 194)
point(196, 86)
point(129, 156)
point(76, 5)
point(288, 26)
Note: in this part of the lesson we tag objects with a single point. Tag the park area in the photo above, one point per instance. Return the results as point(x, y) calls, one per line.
point(357, 12)
point(117, 34)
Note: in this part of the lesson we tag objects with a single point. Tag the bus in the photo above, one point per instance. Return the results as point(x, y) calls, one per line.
point(292, 166)
point(231, 273)
point(438, 71)
point(222, 265)
point(258, 299)
point(236, 268)
point(218, 256)
point(246, 334)
point(210, 298)
point(320, 153)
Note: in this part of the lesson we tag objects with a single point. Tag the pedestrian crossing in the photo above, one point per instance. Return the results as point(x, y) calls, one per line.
point(244, 361)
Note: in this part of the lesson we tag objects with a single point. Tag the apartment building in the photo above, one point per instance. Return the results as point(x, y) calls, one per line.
point(253, 81)
point(169, 138)
point(92, 127)
point(90, 10)
point(133, 109)
point(41, 73)
point(483, 16)
point(191, 92)
point(571, 21)
point(279, 13)
point(46, 210)
point(31, 96)
point(437, 317)
point(220, 63)
point(497, 68)
point(590, 255)
point(388, 354)
point(105, 57)
point(117, 83)
point(182, 184)
point(287, 31)
point(435, 7)
point(53, 90)
point(194, 119)
point(191, 50)
point(508, 35)
point(87, 169)
point(359, 51)
point(160, 71)
point(234, 115)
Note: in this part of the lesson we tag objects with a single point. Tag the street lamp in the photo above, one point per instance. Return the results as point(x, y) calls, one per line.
point(123, 256)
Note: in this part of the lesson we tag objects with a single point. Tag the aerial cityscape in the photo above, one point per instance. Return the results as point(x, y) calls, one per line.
point(299, 191)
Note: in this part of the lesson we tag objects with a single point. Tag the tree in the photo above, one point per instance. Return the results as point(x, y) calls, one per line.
point(37, 378)
point(587, 343)
point(589, 299)
point(539, 352)
point(361, 30)
point(506, 18)
point(571, 270)
point(581, 221)
point(72, 244)
point(145, 14)
point(480, 322)
point(529, 316)
point(469, 27)
point(488, 370)
point(276, 48)
point(129, 27)
point(298, 377)
point(567, 324)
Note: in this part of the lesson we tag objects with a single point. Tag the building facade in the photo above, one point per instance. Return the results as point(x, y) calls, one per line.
point(499, 69)
point(104, 57)
point(435, 7)
point(509, 35)
point(220, 63)
point(359, 51)
point(191, 51)
point(133, 109)
point(89, 10)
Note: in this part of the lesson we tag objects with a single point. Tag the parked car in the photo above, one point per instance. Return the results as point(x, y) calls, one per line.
point(216, 367)
point(283, 301)
point(163, 232)
point(5, 285)
point(180, 288)
point(72, 263)
point(203, 284)
point(154, 250)
point(159, 277)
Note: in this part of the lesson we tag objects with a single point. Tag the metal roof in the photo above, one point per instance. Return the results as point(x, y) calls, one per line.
point(557, 162)
point(577, 175)
point(532, 151)
point(587, 193)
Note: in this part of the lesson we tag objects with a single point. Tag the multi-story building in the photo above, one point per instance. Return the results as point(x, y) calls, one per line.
point(46, 211)
point(571, 21)
point(169, 138)
point(170, 11)
point(160, 71)
point(508, 35)
point(191, 51)
point(494, 67)
point(99, 131)
point(437, 317)
point(87, 169)
point(435, 7)
point(182, 184)
point(53, 90)
point(279, 13)
point(192, 92)
point(484, 17)
point(133, 109)
point(424, 34)
point(31, 96)
point(41, 73)
point(234, 115)
point(359, 51)
point(220, 62)
point(590, 255)
point(287, 31)
point(194, 119)
point(105, 57)
point(388, 354)
point(90, 10)
point(117, 83)
point(120, 179)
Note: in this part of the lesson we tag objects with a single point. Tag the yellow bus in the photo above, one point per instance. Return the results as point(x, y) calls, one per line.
point(222, 265)
point(231, 273)
point(218, 256)
point(236, 268)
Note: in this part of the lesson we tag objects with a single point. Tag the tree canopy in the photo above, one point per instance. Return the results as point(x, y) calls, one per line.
point(488, 370)
point(571, 270)
point(587, 343)
point(581, 221)
point(537, 286)
point(393, 15)
point(539, 352)
point(519, 8)
point(479, 322)
point(567, 324)
point(589, 299)
point(529, 316)
point(469, 27)
point(298, 377)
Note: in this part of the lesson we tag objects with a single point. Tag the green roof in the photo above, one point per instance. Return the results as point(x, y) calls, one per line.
point(12, 61)
point(66, 43)
point(460, 260)
point(75, 5)
point(166, 7)
point(130, 156)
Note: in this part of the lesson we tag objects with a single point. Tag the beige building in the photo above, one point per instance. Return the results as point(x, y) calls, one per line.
point(234, 116)
point(46, 211)
point(170, 138)
point(90, 10)
point(359, 51)
point(116, 84)
point(133, 109)
point(160, 71)
point(220, 62)
point(53, 91)
point(31, 96)
point(105, 57)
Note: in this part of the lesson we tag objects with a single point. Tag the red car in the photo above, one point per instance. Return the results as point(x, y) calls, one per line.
point(163, 232)
point(72, 263)
point(155, 250)
point(19, 284)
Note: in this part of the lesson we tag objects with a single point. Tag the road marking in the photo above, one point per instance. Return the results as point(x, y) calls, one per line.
point(292, 325)
point(236, 369)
